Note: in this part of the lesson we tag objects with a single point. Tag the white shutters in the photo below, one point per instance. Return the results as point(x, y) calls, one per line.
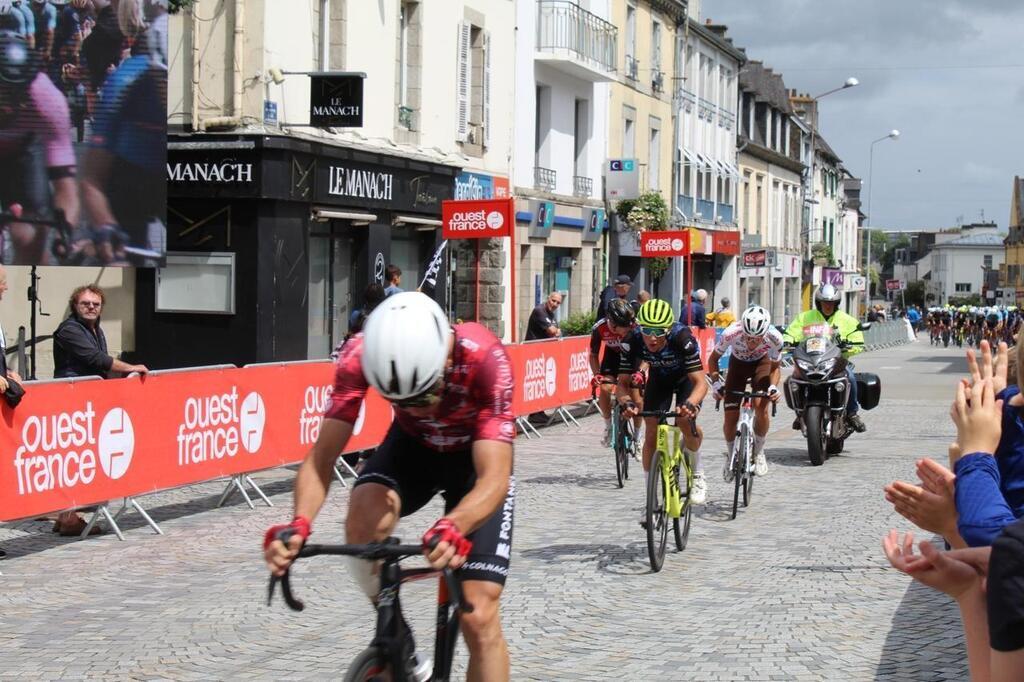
point(487, 90)
point(462, 81)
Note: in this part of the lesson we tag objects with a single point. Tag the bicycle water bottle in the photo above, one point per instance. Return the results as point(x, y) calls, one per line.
point(423, 667)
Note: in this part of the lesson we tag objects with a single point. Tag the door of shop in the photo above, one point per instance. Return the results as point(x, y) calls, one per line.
point(558, 277)
point(330, 291)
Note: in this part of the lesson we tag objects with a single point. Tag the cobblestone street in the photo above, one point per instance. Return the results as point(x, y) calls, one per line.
point(795, 588)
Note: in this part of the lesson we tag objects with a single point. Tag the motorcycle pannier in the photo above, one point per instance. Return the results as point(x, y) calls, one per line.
point(869, 390)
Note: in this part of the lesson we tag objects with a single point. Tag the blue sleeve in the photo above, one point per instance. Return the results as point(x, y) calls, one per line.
point(982, 510)
point(50, 14)
point(30, 20)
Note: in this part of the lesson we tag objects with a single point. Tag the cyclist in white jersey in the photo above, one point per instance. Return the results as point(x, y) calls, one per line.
point(756, 354)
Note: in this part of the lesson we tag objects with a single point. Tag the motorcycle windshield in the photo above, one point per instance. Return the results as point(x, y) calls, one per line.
point(817, 338)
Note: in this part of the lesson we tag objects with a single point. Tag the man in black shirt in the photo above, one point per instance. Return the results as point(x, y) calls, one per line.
point(618, 289)
point(542, 324)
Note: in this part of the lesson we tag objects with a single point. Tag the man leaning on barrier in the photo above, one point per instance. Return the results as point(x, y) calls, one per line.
point(80, 349)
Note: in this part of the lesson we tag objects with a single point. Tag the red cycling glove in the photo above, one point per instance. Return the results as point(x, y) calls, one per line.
point(638, 379)
point(596, 381)
point(300, 525)
point(445, 531)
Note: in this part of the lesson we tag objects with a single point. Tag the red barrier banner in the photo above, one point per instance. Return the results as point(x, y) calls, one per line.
point(549, 374)
point(74, 444)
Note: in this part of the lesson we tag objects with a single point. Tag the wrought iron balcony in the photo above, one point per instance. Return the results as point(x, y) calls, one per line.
point(576, 41)
point(544, 178)
point(582, 186)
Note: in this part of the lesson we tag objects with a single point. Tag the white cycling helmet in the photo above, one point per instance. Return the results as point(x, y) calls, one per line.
point(405, 345)
point(5, 7)
point(756, 321)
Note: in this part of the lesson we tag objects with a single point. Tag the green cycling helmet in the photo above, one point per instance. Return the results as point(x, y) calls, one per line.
point(655, 313)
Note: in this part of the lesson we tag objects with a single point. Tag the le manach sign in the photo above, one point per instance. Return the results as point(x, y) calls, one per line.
point(336, 100)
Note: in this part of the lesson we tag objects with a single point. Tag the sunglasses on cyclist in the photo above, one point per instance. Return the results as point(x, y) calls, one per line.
point(432, 396)
point(653, 331)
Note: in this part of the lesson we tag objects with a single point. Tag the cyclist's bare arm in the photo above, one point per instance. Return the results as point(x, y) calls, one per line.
point(65, 197)
point(493, 463)
point(700, 389)
point(775, 377)
point(595, 365)
point(317, 470)
point(98, 164)
point(713, 360)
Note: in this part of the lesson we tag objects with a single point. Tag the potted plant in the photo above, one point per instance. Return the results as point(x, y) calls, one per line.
point(648, 212)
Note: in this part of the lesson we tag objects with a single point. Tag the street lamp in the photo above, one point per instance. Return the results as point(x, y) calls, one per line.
point(850, 83)
point(893, 135)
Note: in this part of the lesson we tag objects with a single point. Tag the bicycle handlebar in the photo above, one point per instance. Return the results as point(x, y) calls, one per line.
point(660, 414)
point(374, 551)
point(752, 394)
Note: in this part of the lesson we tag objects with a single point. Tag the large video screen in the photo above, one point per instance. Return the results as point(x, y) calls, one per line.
point(83, 132)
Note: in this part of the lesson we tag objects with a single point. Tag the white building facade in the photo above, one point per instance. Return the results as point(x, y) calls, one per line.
point(956, 268)
point(565, 58)
point(770, 192)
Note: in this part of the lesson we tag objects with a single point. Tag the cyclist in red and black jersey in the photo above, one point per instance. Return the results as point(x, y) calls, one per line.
point(612, 332)
point(451, 388)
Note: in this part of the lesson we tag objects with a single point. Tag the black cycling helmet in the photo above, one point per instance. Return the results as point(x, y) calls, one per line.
point(620, 313)
point(18, 66)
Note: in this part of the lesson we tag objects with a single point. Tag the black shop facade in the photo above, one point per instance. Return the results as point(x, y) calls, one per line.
point(303, 226)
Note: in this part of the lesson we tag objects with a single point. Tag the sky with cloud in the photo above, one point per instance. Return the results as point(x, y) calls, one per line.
point(948, 74)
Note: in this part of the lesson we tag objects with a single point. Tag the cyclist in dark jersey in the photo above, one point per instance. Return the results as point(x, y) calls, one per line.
point(611, 332)
point(672, 356)
point(451, 388)
point(35, 151)
point(124, 185)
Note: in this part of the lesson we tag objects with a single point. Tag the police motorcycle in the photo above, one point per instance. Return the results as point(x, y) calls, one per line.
point(818, 388)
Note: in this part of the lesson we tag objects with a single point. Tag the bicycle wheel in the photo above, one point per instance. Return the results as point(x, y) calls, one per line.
point(657, 516)
point(739, 466)
point(620, 454)
point(629, 449)
point(681, 525)
point(368, 665)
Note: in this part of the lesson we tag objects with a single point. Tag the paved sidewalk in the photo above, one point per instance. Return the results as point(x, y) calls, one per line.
point(795, 588)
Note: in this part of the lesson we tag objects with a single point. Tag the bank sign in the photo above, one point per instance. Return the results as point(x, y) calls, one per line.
point(477, 219)
point(336, 100)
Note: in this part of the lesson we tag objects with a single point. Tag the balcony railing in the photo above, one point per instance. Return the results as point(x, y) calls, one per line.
point(407, 117)
point(685, 99)
point(582, 186)
point(725, 212)
point(707, 109)
point(544, 178)
point(685, 204)
point(726, 120)
point(564, 25)
point(706, 209)
point(657, 81)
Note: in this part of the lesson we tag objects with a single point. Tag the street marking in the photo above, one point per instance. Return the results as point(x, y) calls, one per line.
point(893, 367)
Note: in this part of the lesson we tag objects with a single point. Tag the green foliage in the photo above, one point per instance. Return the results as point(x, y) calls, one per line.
point(822, 251)
point(178, 5)
point(578, 324)
point(647, 212)
point(914, 293)
point(879, 244)
point(973, 299)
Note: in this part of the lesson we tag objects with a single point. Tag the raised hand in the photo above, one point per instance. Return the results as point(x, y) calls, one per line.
point(990, 368)
point(977, 416)
point(933, 568)
point(930, 511)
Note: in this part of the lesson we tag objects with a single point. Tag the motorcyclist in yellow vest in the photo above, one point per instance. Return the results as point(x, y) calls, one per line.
point(826, 310)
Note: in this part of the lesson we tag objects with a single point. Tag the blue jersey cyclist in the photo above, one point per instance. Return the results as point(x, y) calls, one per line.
point(671, 356)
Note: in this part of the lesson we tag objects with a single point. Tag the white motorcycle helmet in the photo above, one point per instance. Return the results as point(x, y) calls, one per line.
point(826, 293)
point(405, 345)
point(756, 321)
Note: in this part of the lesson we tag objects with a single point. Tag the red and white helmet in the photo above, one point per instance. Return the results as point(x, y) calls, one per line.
point(756, 321)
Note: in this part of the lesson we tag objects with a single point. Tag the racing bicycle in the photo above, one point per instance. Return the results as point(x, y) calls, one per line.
point(391, 654)
point(624, 441)
point(668, 489)
point(742, 461)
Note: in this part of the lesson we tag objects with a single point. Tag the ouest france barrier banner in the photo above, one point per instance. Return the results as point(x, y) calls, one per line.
point(79, 443)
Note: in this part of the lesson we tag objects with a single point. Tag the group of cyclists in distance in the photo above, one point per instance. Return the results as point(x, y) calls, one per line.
point(970, 325)
point(451, 388)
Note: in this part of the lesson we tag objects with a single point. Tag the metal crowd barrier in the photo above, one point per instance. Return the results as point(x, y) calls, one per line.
point(887, 334)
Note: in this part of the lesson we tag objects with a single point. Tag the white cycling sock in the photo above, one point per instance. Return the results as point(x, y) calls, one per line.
point(759, 444)
point(607, 422)
point(729, 445)
point(695, 460)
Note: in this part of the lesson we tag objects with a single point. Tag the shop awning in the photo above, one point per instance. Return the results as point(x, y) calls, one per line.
point(415, 220)
point(325, 214)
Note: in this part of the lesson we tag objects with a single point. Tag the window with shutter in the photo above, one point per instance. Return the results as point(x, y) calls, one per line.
point(462, 84)
point(487, 90)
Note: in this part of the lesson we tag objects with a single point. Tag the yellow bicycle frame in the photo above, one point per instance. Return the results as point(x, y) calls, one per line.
point(673, 456)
